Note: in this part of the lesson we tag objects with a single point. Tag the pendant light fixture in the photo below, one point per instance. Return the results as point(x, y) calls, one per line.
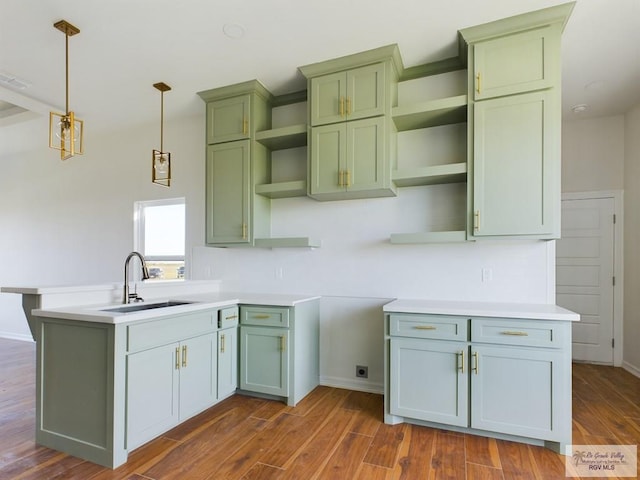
point(161, 161)
point(65, 130)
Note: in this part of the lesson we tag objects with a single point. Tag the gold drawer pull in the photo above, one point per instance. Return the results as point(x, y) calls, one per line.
point(478, 82)
point(341, 108)
point(283, 343)
point(184, 355)
point(348, 105)
point(232, 317)
point(177, 358)
point(425, 327)
point(461, 366)
point(222, 343)
point(476, 363)
point(515, 333)
point(261, 316)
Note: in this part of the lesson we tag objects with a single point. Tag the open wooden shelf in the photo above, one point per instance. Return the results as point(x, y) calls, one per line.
point(297, 188)
point(285, 137)
point(428, 237)
point(443, 111)
point(434, 175)
point(287, 242)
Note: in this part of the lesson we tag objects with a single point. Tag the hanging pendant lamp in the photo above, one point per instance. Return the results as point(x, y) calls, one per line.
point(161, 161)
point(65, 130)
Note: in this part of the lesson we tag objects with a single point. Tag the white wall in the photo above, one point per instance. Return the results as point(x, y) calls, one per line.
point(631, 236)
point(593, 154)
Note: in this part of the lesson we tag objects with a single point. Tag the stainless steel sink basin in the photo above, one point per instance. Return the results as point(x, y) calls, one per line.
point(144, 306)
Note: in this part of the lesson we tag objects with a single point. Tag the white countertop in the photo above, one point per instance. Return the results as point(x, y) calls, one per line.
point(202, 301)
point(535, 311)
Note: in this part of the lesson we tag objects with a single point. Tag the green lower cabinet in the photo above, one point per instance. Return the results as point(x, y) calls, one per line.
point(152, 393)
point(198, 374)
point(428, 381)
point(511, 379)
point(516, 391)
point(264, 361)
point(227, 362)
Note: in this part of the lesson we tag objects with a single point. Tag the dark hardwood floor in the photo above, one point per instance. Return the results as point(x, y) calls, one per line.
point(332, 434)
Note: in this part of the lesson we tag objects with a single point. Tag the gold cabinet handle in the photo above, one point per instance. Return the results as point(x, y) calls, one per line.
point(341, 108)
point(177, 358)
point(184, 355)
point(476, 363)
point(514, 333)
point(244, 231)
point(283, 343)
point(341, 178)
point(476, 220)
point(261, 316)
point(478, 82)
point(222, 343)
point(232, 317)
point(348, 181)
point(461, 365)
point(425, 327)
point(245, 126)
point(348, 106)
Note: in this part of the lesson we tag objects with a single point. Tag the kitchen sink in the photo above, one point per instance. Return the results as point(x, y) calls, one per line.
point(144, 306)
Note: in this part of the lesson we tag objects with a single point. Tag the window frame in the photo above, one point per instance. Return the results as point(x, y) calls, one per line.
point(139, 227)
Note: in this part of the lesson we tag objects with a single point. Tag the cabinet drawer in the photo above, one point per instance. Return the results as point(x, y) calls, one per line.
point(228, 317)
point(267, 316)
point(443, 327)
point(169, 329)
point(507, 331)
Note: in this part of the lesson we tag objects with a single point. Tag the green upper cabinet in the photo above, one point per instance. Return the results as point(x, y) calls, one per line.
point(515, 168)
point(516, 63)
point(514, 125)
point(352, 137)
point(236, 162)
point(353, 159)
point(228, 193)
point(228, 119)
point(350, 95)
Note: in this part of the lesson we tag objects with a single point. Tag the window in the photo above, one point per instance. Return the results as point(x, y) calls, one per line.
point(159, 236)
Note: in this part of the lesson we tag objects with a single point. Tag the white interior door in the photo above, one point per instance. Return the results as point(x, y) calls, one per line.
point(585, 275)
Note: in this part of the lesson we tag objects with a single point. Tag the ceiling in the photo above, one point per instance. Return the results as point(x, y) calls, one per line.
point(125, 46)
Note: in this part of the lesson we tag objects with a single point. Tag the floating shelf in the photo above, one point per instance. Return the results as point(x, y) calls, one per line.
point(296, 188)
point(287, 242)
point(429, 237)
point(435, 175)
point(432, 113)
point(282, 138)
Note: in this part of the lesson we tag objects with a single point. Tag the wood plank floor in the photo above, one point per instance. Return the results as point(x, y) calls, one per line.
point(332, 434)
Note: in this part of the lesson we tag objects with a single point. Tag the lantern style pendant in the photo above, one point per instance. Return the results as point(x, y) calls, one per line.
point(160, 160)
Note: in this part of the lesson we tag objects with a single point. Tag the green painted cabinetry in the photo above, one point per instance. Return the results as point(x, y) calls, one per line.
point(514, 92)
point(279, 350)
point(351, 140)
point(228, 119)
point(483, 375)
point(227, 352)
point(235, 215)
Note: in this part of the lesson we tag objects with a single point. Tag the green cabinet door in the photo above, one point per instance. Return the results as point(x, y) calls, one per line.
point(264, 360)
point(228, 193)
point(520, 391)
point(153, 378)
point(227, 362)
point(228, 119)
point(198, 372)
point(348, 95)
point(516, 63)
point(349, 160)
point(429, 380)
point(516, 163)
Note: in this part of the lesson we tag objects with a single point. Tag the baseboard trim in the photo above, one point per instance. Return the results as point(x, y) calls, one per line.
point(633, 370)
point(351, 384)
point(16, 336)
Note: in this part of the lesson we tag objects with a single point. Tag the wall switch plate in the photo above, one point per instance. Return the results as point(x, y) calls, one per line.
point(487, 274)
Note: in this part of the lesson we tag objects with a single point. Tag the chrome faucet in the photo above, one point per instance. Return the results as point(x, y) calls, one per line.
point(145, 276)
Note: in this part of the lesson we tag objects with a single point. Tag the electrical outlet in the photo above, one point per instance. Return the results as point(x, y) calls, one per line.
point(362, 371)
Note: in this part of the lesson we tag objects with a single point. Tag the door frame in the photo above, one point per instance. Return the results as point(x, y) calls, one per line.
point(618, 262)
